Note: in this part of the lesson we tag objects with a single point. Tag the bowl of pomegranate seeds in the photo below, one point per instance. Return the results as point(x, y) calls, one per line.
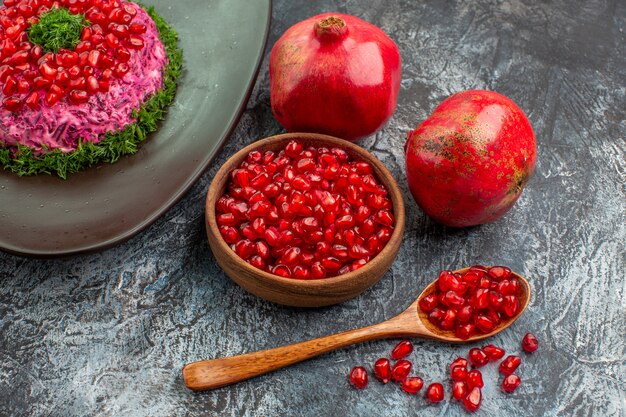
point(304, 219)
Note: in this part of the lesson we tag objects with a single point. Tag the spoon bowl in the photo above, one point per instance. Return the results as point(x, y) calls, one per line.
point(412, 322)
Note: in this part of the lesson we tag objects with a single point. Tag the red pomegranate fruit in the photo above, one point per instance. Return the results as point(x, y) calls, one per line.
point(469, 161)
point(334, 74)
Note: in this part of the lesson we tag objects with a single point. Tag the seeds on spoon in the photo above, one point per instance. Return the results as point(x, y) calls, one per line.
point(474, 302)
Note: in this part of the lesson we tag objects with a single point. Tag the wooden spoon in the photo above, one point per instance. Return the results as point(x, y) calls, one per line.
point(412, 322)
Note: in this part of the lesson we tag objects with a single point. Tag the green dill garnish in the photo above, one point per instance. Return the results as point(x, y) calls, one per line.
point(56, 29)
point(114, 144)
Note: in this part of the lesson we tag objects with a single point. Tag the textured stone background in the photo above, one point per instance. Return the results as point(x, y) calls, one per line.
point(107, 334)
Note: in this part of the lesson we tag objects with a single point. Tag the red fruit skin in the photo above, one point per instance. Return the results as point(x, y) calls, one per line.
point(469, 161)
point(341, 81)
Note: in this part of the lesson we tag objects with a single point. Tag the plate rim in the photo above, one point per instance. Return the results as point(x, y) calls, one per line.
point(174, 198)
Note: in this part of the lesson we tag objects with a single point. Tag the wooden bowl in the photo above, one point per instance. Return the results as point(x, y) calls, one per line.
point(294, 292)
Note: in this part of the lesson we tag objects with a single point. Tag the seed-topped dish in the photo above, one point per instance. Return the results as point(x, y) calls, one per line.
point(305, 212)
point(81, 81)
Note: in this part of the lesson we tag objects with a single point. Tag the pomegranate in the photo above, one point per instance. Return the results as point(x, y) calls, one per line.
point(334, 74)
point(469, 161)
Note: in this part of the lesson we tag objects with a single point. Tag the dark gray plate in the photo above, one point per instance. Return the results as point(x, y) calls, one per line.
point(223, 43)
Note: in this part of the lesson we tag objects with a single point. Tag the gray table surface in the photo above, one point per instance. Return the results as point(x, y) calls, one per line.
point(107, 334)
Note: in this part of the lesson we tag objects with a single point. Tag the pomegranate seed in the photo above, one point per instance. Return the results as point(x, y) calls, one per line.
point(499, 272)
point(435, 393)
point(318, 271)
point(257, 262)
point(299, 272)
point(459, 390)
point(496, 300)
point(510, 364)
point(382, 370)
point(480, 299)
point(32, 100)
point(281, 271)
point(436, 315)
point(452, 299)
point(494, 353)
point(464, 314)
point(465, 331)
point(484, 323)
point(428, 303)
point(78, 97)
point(134, 42)
point(12, 104)
point(447, 323)
point(477, 357)
point(530, 343)
point(510, 383)
point(511, 305)
point(138, 28)
point(459, 362)
point(51, 98)
point(402, 349)
point(443, 282)
point(458, 373)
point(358, 377)
point(473, 399)
point(474, 379)
point(471, 277)
point(291, 256)
point(384, 217)
point(412, 384)
point(400, 370)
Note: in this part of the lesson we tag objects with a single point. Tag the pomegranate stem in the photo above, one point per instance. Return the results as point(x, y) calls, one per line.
point(330, 29)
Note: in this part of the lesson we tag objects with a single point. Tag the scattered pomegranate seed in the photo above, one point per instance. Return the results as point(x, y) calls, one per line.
point(459, 362)
point(478, 357)
point(382, 370)
point(400, 370)
point(412, 384)
point(475, 379)
point(335, 232)
point(493, 352)
point(458, 373)
point(530, 343)
point(510, 364)
point(435, 393)
point(402, 349)
point(459, 390)
point(358, 377)
point(510, 383)
point(473, 399)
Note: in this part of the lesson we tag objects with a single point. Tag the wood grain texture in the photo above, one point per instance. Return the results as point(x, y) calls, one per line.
point(108, 334)
point(303, 293)
point(412, 322)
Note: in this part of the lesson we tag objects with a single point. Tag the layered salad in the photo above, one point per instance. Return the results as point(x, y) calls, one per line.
point(81, 81)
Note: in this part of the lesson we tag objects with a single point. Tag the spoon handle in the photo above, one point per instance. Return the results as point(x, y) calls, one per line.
point(219, 372)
